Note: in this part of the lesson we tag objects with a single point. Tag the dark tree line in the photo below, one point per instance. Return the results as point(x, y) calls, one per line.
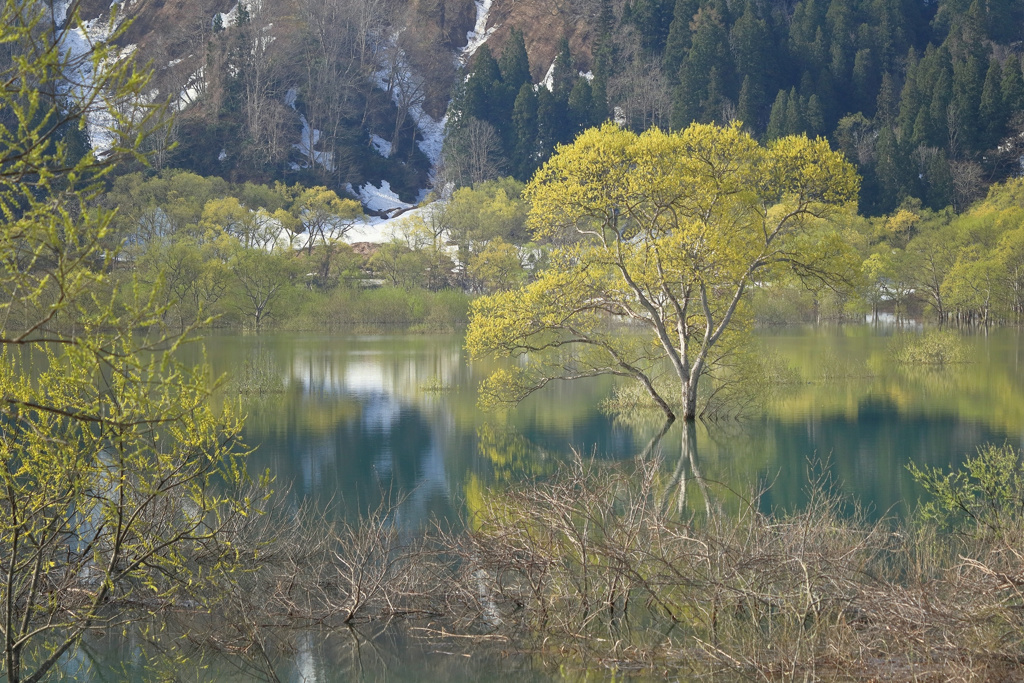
point(926, 97)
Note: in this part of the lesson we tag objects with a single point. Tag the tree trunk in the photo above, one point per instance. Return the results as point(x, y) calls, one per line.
point(687, 461)
point(689, 396)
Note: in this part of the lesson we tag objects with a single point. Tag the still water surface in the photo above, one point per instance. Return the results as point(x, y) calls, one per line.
point(355, 420)
point(359, 418)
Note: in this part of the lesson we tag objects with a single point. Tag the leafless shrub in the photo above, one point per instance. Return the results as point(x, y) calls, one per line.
point(592, 567)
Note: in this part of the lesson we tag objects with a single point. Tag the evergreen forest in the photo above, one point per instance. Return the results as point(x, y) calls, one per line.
point(926, 98)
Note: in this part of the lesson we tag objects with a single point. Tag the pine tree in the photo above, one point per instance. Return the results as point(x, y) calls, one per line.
point(922, 132)
point(526, 154)
point(777, 118)
point(938, 108)
point(652, 19)
point(794, 122)
point(991, 113)
point(1013, 86)
point(751, 105)
point(939, 192)
point(712, 106)
point(678, 41)
point(550, 123)
point(696, 98)
point(514, 64)
point(910, 100)
point(580, 106)
point(686, 98)
point(887, 103)
point(481, 85)
point(864, 81)
point(826, 93)
point(752, 50)
point(563, 76)
point(815, 117)
point(968, 80)
point(888, 171)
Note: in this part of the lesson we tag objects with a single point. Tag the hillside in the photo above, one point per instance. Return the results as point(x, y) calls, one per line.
point(926, 97)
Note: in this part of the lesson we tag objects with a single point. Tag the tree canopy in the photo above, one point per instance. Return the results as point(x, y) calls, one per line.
point(666, 232)
point(118, 476)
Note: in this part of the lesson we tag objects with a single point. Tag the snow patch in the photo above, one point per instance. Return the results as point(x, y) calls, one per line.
point(77, 43)
point(307, 145)
point(431, 130)
point(382, 146)
point(433, 136)
point(194, 86)
point(619, 117)
point(549, 78)
point(480, 33)
point(227, 18)
point(381, 198)
point(310, 138)
point(380, 230)
point(60, 12)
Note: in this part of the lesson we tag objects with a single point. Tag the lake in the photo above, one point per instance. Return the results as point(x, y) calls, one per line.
point(351, 421)
point(359, 419)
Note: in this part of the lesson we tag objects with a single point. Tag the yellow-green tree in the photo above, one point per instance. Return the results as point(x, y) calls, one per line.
point(116, 476)
point(325, 216)
point(668, 232)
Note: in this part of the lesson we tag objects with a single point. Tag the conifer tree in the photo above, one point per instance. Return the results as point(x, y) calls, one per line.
point(991, 112)
point(712, 106)
point(481, 86)
point(686, 98)
point(525, 153)
point(815, 117)
point(938, 108)
point(887, 106)
point(777, 118)
point(550, 122)
point(968, 80)
point(678, 41)
point(652, 19)
point(514, 63)
point(794, 122)
point(910, 100)
point(752, 51)
point(751, 105)
point(1013, 86)
point(563, 76)
point(864, 81)
point(580, 107)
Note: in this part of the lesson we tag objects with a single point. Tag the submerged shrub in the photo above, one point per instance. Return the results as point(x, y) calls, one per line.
point(938, 347)
point(419, 309)
point(985, 496)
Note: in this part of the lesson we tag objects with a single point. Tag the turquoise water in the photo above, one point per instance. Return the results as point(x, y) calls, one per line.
point(351, 421)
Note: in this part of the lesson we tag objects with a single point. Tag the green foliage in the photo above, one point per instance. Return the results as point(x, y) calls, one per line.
point(668, 232)
point(119, 477)
point(935, 347)
point(985, 497)
point(413, 309)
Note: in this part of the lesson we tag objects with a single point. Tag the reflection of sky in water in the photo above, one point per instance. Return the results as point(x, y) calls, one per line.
point(392, 446)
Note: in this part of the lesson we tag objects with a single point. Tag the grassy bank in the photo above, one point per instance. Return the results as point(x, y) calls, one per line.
point(416, 310)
